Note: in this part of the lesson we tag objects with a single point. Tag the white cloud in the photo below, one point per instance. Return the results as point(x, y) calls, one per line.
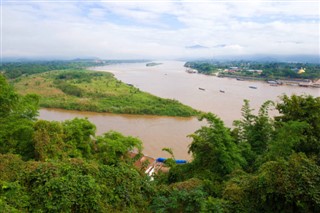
point(158, 30)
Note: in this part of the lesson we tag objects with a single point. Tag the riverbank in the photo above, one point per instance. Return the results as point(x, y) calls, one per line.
point(275, 81)
point(156, 132)
point(171, 81)
point(95, 91)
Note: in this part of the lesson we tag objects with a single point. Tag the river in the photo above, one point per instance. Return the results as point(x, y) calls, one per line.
point(169, 80)
point(156, 132)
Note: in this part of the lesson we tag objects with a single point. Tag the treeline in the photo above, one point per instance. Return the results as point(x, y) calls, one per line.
point(263, 164)
point(202, 67)
point(14, 70)
point(271, 70)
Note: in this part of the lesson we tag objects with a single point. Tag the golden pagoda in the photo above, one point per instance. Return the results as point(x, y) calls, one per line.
point(301, 71)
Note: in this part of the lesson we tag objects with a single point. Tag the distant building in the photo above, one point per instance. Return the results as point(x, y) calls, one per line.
point(234, 68)
point(257, 71)
point(190, 70)
point(230, 70)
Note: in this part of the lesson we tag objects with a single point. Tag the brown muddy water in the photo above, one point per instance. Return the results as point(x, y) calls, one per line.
point(169, 80)
point(156, 132)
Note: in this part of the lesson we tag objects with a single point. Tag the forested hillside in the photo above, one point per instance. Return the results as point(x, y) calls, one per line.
point(263, 164)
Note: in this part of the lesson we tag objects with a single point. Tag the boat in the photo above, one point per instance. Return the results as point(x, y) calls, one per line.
point(304, 84)
point(201, 89)
point(253, 87)
point(222, 91)
point(273, 83)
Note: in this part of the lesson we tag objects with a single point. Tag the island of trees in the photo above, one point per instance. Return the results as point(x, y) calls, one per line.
point(68, 85)
point(152, 64)
point(263, 164)
point(258, 70)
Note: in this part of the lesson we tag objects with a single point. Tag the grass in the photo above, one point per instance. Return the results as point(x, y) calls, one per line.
point(96, 91)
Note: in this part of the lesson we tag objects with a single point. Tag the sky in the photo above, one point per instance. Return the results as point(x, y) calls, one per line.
point(158, 29)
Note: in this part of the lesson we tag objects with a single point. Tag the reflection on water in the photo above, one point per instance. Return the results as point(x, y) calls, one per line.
point(169, 80)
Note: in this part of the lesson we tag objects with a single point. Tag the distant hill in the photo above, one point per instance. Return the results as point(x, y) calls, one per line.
point(196, 47)
point(284, 58)
point(262, 58)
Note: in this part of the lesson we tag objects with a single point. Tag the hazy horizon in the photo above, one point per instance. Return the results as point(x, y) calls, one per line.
point(158, 30)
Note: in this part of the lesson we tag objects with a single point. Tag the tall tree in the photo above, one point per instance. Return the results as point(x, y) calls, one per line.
point(214, 149)
point(17, 115)
point(254, 132)
point(113, 147)
point(79, 134)
point(305, 108)
point(48, 140)
point(278, 186)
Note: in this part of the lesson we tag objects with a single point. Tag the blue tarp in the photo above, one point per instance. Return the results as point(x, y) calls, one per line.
point(162, 160)
point(181, 161)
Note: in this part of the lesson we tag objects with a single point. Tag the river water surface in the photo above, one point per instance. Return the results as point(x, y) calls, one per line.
point(169, 80)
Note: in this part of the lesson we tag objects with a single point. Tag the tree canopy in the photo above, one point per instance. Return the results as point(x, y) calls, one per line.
point(263, 164)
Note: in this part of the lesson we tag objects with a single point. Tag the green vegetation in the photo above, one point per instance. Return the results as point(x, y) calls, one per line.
point(96, 91)
point(202, 67)
point(61, 166)
point(270, 70)
point(151, 64)
point(264, 164)
point(14, 70)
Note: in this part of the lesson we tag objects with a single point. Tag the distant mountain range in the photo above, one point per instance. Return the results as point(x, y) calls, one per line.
point(286, 58)
point(259, 58)
point(89, 59)
point(197, 46)
point(264, 58)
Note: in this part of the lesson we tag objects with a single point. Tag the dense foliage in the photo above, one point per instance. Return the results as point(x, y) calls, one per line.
point(49, 166)
point(271, 70)
point(14, 70)
point(202, 67)
point(96, 91)
point(263, 164)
